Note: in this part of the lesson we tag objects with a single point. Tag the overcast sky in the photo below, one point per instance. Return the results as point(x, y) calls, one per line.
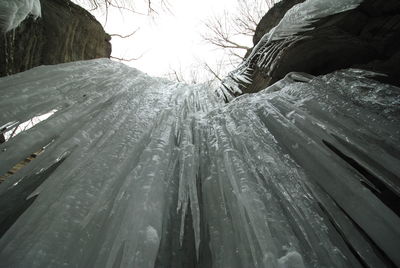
point(169, 40)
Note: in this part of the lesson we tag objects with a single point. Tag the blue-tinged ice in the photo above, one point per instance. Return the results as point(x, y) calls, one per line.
point(143, 172)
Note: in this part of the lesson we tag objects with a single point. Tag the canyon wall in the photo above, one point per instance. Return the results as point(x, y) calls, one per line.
point(64, 33)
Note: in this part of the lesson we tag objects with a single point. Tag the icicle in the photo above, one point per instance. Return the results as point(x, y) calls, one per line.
point(272, 179)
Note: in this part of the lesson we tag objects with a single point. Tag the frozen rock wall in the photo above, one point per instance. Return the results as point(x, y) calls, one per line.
point(366, 37)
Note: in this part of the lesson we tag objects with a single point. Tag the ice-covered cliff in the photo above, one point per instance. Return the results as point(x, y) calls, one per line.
point(366, 36)
point(126, 170)
point(142, 172)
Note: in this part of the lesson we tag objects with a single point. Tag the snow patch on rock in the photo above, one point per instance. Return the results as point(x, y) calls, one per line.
point(13, 12)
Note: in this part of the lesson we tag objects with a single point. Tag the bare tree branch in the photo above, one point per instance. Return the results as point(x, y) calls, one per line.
point(126, 5)
point(214, 73)
point(126, 59)
point(13, 133)
point(126, 9)
point(226, 30)
point(125, 36)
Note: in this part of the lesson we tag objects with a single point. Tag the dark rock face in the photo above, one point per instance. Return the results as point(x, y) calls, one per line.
point(367, 37)
point(66, 32)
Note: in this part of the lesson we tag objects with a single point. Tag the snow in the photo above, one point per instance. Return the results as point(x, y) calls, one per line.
point(13, 12)
point(139, 170)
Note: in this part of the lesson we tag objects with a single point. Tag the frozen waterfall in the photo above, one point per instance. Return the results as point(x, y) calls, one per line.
point(126, 170)
point(142, 172)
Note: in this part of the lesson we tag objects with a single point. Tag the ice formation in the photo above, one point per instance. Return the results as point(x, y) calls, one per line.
point(142, 172)
point(301, 16)
point(13, 12)
point(298, 19)
point(135, 171)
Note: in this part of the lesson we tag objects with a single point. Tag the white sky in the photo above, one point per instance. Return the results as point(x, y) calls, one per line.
point(169, 40)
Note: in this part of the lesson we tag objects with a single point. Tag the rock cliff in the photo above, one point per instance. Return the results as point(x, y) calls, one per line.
point(64, 33)
point(367, 37)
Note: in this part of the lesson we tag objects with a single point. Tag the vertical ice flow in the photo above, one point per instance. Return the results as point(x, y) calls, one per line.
point(143, 172)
